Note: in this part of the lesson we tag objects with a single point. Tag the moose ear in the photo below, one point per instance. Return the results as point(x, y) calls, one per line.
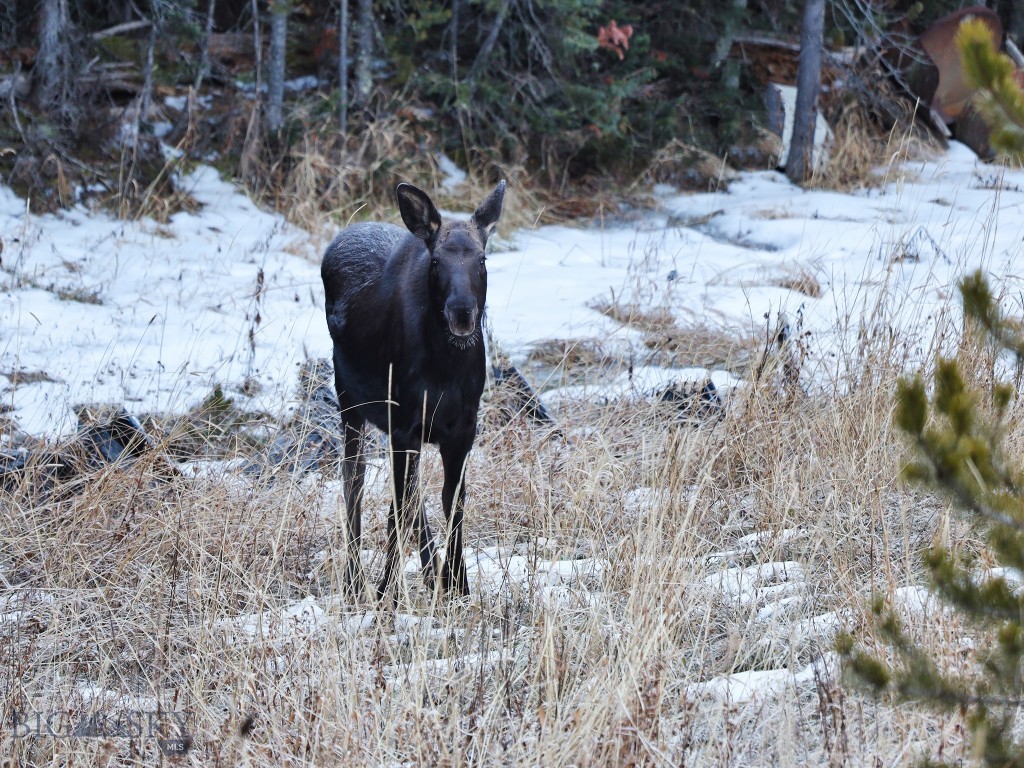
point(487, 215)
point(418, 212)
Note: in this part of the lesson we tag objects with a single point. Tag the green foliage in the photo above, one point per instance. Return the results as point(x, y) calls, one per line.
point(542, 85)
point(958, 442)
point(542, 91)
point(999, 98)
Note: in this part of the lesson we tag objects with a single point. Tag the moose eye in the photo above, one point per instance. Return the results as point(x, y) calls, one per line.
point(483, 261)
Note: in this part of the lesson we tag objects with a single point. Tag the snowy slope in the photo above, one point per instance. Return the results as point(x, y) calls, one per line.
point(171, 310)
point(178, 303)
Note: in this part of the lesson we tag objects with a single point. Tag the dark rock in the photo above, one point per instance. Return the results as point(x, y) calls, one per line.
point(112, 434)
point(311, 441)
point(517, 396)
point(696, 400)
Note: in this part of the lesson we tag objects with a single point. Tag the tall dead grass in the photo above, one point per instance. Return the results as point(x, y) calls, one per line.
point(323, 180)
point(634, 568)
point(861, 153)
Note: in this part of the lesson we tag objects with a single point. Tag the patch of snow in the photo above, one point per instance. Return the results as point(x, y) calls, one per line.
point(453, 175)
point(495, 569)
point(782, 605)
point(304, 83)
point(1013, 577)
point(759, 582)
point(824, 626)
point(180, 103)
point(154, 316)
point(299, 618)
point(422, 671)
point(161, 129)
point(758, 685)
point(644, 382)
point(916, 600)
point(763, 540)
point(571, 571)
point(641, 501)
point(93, 694)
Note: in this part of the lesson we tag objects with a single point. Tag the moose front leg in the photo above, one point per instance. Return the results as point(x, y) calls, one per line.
point(409, 508)
point(428, 553)
point(453, 496)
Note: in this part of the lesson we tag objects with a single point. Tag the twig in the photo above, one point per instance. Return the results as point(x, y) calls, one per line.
point(13, 104)
point(118, 29)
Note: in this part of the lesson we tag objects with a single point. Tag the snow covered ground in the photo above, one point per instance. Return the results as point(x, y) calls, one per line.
point(154, 316)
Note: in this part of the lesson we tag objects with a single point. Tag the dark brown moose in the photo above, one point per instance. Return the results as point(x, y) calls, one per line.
point(405, 311)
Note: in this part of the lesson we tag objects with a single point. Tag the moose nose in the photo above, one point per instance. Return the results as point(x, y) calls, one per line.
point(461, 318)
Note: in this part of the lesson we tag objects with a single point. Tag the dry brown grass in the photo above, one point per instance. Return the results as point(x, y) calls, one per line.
point(598, 639)
point(861, 155)
point(323, 182)
point(801, 280)
point(632, 314)
point(678, 340)
point(696, 342)
point(688, 167)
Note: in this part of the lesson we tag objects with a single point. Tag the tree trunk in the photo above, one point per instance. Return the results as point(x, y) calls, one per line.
point(247, 163)
point(808, 82)
point(204, 53)
point(453, 53)
point(275, 74)
point(146, 94)
point(53, 71)
point(343, 68)
point(364, 53)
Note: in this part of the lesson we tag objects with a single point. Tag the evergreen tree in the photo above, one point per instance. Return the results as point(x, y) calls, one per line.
point(961, 454)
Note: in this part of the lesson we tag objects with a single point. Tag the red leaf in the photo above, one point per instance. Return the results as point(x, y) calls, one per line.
point(615, 38)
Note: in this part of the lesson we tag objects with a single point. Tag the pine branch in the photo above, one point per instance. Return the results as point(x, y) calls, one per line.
point(999, 99)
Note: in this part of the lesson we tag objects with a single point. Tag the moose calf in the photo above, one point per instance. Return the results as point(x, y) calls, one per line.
point(405, 311)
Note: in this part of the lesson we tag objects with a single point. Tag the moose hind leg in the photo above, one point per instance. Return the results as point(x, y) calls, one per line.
point(403, 473)
point(353, 474)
